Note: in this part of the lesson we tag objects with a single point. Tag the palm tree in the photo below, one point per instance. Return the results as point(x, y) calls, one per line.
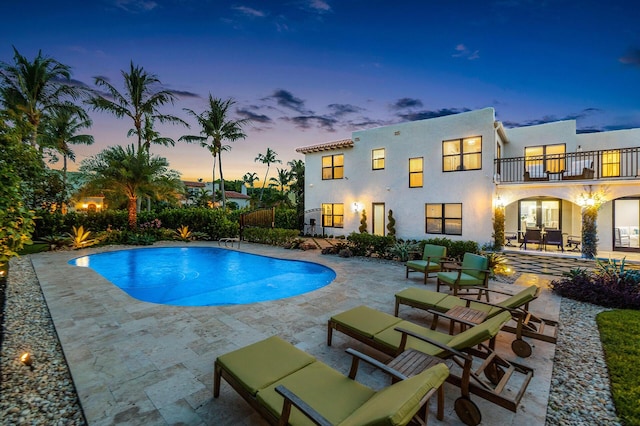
point(60, 131)
point(151, 136)
point(297, 187)
point(31, 90)
point(282, 181)
point(131, 173)
point(267, 158)
point(140, 102)
point(250, 178)
point(217, 125)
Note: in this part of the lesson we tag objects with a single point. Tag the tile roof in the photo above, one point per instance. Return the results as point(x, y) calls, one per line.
point(344, 143)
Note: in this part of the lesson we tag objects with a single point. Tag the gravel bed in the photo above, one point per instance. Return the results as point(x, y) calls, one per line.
point(45, 395)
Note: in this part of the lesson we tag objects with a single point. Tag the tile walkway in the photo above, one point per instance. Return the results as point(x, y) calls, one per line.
point(137, 363)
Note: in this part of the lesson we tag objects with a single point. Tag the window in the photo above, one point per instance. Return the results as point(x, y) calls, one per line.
point(415, 172)
point(611, 163)
point(333, 167)
point(443, 218)
point(333, 215)
point(540, 213)
point(377, 159)
point(544, 158)
point(462, 154)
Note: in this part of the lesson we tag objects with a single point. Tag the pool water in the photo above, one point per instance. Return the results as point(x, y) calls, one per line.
point(205, 276)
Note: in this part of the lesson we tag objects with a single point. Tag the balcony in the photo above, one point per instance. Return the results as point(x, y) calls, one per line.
point(609, 164)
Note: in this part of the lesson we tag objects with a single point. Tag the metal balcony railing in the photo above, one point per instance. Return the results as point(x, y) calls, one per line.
point(607, 164)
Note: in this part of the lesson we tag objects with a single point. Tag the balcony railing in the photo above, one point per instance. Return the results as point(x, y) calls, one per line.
point(621, 163)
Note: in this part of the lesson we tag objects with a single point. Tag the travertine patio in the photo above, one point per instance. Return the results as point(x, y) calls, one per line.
point(140, 363)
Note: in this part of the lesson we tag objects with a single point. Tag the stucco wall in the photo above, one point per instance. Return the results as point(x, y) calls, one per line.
point(543, 134)
point(472, 188)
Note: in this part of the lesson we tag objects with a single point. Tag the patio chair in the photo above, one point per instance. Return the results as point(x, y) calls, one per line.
point(472, 273)
point(532, 235)
point(392, 336)
point(553, 237)
point(527, 324)
point(288, 386)
point(432, 258)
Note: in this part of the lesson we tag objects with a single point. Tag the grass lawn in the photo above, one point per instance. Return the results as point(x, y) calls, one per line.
point(620, 335)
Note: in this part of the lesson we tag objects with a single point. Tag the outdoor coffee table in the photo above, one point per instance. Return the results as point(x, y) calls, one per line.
point(412, 362)
point(460, 314)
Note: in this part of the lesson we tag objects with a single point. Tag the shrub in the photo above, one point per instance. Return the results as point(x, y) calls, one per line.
point(610, 286)
point(368, 244)
point(401, 250)
point(274, 237)
point(455, 249)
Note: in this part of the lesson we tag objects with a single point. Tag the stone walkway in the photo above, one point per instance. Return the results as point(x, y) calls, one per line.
point(140, 363)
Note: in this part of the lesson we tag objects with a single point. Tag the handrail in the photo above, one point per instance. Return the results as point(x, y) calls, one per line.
point(618, 163)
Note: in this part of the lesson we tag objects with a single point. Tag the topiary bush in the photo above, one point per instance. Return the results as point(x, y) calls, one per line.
point(611, 285)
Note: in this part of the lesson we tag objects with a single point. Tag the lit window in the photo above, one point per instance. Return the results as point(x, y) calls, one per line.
point(544, 158)
point(443, 219)
point(611, 163)
point(333, 167)
point(377, 159)
point(462, 154)
point(333, 215)
point(415, 172)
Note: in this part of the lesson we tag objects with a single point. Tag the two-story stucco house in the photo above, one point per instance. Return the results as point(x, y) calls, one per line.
point(444, 177)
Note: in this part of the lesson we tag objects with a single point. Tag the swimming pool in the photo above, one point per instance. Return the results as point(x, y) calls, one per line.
point(205, 276)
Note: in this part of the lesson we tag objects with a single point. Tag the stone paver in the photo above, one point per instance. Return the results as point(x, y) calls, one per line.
point(140, 363)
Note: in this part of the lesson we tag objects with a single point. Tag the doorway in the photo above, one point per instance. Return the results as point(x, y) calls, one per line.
point(378, 219)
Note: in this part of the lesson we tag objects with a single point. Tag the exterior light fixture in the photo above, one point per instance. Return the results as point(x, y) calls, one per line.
point(356, 207)
point(27, 360)
point(499, 202)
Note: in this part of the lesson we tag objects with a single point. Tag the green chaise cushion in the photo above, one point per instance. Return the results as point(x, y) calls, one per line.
point(480, 333)
point(260, 364)
point(519, 299)
point(365, 320)
point(391, 338)
point(398, 403)
point(327, 391)
point(428, 299)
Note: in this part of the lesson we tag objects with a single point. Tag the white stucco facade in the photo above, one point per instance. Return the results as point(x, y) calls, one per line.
point(476, 188)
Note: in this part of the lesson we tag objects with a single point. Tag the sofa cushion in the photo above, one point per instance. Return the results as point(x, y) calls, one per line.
point(398, 403)
point(326, 390)
point(258, 365)
point(365, 320)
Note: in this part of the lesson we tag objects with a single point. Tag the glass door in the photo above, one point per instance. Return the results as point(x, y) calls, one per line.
point(626, 223)
point(378, 219)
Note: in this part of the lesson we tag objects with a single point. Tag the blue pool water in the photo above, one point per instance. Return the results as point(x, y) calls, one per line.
point(205, 276)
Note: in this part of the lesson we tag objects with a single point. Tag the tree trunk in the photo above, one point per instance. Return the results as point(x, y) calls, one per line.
point(264, 183)
point(224, 196)
point(213, 183)
point(133, 212)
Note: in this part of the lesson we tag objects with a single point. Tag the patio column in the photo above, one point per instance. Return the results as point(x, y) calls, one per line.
point(498, 224)
point(590, 203)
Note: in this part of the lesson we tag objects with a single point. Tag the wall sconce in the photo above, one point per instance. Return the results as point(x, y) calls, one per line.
point(85, 205)
point(356, 206)
point(499, 203)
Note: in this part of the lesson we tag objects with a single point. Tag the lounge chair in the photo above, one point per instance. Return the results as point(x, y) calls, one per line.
point(288, 386)
point(472, 273)
point(432, 258)
point(392, 336)
point(527, 324)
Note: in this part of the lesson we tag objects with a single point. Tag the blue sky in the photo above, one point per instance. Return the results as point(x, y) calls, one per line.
point(313, 71)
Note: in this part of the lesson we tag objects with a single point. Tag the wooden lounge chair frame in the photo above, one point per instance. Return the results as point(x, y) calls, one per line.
point(527, 324)
point(464, 268)
point(291, 399)
point(495, 368)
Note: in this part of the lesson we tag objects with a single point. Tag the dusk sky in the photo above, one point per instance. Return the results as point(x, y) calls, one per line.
point(312, 71)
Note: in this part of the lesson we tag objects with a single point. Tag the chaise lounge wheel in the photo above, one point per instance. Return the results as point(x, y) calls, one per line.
point(468, 411)
point(521, 348)
point(494, 373)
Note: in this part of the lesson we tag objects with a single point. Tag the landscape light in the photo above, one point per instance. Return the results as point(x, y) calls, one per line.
point(26, 359)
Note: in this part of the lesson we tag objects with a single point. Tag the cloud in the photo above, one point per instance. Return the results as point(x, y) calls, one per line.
point(463, 52)
point(184, 94)
point(403, 103)
point(135, 6)
point(249, 11)
point(632, 57)
point(254, 116)
point(285, 99)
point(585, 113)
point(305, 122)
point(318, 6)
point(340, 110)
point(425, 114)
